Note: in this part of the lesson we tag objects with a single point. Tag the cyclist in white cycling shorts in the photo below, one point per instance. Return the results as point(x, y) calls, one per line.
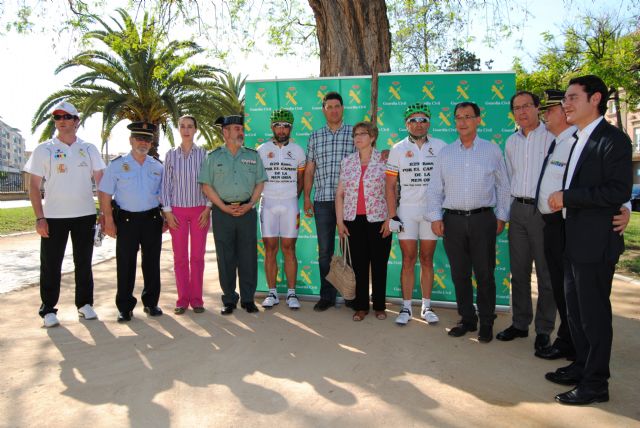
point(410, 163)
point(279, 213)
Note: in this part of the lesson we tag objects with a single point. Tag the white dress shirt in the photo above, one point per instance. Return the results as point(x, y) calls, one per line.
point(524, 156)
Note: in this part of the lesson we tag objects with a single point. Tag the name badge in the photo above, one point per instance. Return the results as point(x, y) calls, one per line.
point(248, 161)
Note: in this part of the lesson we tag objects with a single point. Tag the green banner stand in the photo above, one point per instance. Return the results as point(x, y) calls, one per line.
point(304, 98)
point(441, 91)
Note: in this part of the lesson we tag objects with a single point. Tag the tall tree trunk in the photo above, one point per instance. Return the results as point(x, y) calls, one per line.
point(354, 39)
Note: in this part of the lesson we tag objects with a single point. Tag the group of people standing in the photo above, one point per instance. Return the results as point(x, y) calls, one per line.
point(561, 185)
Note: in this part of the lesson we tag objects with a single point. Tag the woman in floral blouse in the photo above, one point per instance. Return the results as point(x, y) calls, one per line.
point(361, 210)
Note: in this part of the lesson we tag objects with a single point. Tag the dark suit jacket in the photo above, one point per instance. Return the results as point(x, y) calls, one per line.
point(601, 183)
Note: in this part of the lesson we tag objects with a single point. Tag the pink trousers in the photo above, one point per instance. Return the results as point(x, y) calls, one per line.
point(189, 270)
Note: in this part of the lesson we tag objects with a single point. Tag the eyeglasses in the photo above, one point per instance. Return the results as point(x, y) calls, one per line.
point(418, 120)
point(526, 106)
point(462, 118)
point(282, 125)
point(568, 99)
point(63, 116)
point(360, 134)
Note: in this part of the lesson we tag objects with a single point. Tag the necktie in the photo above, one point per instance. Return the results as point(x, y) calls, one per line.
point(566, 171)
point(544, 166)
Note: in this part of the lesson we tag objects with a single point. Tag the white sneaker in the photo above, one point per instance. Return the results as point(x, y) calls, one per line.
point(51, 320)
point(404, 316)
point(270, 301)
point(429, 316)
point(293, 302)
point(87, 312)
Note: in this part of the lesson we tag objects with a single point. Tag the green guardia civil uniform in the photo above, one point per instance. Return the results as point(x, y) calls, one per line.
point(234, 178)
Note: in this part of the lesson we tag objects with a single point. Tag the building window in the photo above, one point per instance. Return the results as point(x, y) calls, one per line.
point(636, 138)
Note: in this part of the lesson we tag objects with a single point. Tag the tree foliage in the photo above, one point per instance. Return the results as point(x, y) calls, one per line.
point(133, 74)
point(602, 44)
point(459, 59)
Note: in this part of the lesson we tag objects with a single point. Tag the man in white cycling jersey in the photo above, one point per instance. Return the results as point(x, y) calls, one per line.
point(279, 214)
point(410, 163)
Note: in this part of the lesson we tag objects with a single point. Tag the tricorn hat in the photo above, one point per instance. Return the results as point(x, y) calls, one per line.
point(235, 119)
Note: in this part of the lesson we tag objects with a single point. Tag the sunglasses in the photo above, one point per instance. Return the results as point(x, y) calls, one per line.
point(418, 120)
point(63, 116)
point(282, 125)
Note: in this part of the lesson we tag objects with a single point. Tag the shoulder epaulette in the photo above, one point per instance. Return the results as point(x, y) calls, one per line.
point(214, 150)
point(250, 149)
point(157, 159)
point(116, 158)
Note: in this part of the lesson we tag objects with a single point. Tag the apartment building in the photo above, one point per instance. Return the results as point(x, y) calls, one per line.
point(12, 156)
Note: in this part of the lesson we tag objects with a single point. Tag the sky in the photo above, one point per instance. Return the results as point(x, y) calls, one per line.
point(28, 62)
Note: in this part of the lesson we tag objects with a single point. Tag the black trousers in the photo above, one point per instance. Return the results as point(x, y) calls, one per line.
point(368, 250)
point(470, 244)
point(237, 254)
point(554, 240)
point(52, 253)
point(587, 291)
point(138, 231)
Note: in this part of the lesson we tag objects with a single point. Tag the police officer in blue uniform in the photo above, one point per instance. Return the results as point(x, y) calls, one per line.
point(129, 201)
point(233, 177)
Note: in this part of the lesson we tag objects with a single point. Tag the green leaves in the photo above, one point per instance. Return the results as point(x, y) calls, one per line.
point(132, 72)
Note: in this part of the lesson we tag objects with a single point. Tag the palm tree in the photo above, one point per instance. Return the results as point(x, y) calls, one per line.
point(230, 101)
point(138, 77)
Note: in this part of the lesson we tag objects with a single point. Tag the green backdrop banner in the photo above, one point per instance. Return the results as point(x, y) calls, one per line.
point(442, 91)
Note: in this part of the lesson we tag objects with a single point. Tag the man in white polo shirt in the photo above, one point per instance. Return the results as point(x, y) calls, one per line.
point(66, 164)
point(410, 163)
point(279, 213)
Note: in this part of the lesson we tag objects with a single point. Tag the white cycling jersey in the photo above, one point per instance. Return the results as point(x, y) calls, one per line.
point(282, 165)
point(413, 166)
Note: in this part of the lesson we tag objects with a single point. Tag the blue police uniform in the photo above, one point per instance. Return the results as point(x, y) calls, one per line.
point(136, 191)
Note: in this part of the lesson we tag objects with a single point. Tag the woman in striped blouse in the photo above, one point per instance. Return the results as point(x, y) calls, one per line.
point(187, 213)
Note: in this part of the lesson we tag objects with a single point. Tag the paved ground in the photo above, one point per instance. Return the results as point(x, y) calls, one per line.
point(283, 368)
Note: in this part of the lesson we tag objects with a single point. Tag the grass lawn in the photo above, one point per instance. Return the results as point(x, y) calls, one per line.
point(14, 220)
point(630, 260)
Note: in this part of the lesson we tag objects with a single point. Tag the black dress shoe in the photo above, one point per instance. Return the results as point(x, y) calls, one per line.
point(511, 333)
point(153, 311)
point(580, 396)
point(349, 303)
point(563, 378)
point(485, 335)
point(553, 353)
point(227, 309)
point(542, 341)
point(125, 316)
point(322, 305)
point(249, 307)
point(461, 329)
point(571, 368)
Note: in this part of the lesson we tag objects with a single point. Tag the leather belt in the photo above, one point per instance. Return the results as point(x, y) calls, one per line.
point(467, 213)
point(526, 201)
point(236, 203)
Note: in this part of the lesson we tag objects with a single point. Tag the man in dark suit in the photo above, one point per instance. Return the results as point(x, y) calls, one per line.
point(550, 180)
point(598, 179)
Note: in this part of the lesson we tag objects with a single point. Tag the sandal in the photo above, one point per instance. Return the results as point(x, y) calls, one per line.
point(179, 310)
point(359, 315)
point(381, 315)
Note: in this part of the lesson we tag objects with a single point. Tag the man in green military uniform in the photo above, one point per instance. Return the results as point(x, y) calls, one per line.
point(232, 177)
